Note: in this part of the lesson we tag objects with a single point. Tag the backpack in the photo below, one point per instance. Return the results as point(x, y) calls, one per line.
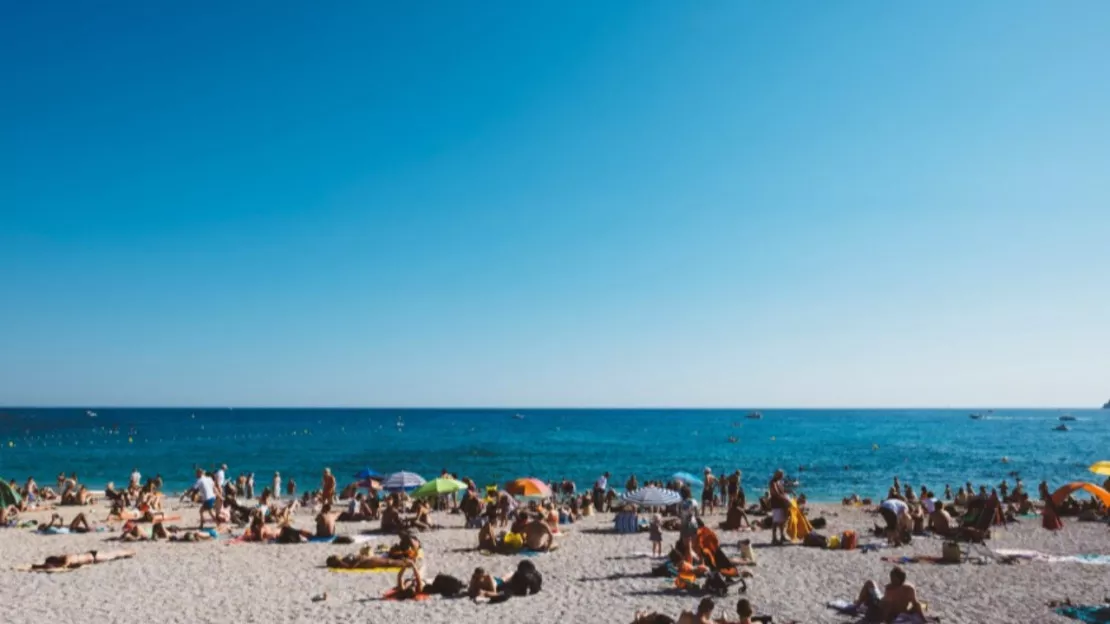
point(446, 585)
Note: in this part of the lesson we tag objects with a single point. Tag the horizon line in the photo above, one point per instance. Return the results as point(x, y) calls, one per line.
point(547, 407)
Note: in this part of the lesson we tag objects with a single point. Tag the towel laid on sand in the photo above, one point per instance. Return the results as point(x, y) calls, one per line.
point(1087, 614)
point(1033, 555)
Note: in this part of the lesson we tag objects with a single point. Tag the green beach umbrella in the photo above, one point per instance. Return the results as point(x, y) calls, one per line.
point(438, 487)
point(8, 496)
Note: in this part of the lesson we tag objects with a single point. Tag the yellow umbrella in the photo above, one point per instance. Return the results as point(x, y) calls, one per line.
point(1101, 468)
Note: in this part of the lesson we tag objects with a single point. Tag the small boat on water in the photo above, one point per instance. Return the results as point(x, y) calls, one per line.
point(518, 416)
point(1067, 417)
point(754, 415)
point(400, 423)
point(976, 416)
point(90, 413)
point(1106, 405)
point(1061, 427)
point(733, 439)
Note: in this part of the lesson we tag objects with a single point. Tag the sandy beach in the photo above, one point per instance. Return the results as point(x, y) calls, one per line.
point(595, 576)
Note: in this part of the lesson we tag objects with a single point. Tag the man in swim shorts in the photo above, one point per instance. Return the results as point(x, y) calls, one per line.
point(206, 487)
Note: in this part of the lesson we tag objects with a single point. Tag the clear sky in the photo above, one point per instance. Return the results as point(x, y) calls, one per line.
point(714, 203)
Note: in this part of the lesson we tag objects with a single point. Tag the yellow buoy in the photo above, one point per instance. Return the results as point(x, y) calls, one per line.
point(874, 447)
point(130, 440)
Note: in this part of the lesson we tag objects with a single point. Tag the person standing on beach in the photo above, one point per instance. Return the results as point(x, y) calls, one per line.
point(136, 479)
point(291, 488)
point(327, 484)
point(779, 505)
point(206, 487)
point(220, 477)
point(600, 486)
point(707, 491)
point(275, 491)
point(250, 485)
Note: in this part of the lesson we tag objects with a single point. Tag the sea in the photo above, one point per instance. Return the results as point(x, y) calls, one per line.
point(831, 453)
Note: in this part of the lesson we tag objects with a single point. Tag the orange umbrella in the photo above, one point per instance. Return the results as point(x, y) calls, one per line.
point(529, 487)
point(1059, 495)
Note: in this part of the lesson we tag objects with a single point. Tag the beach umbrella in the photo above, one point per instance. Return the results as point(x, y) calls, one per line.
point(402, 481)
point(370, 483)
point(686, 478)
point(528, 488)
point(367, 473)
point(1101, 468)
point(1061, 494)
point(438, 487)
point(8, 495)
point(652, 497)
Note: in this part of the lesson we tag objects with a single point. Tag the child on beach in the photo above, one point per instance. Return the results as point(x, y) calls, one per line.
point(656, 535)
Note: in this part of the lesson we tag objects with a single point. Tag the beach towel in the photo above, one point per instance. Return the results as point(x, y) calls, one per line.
point(391, 594)
point(1086, 614)
point(847, 607)
point(322, 540)
point(917, 559)
point(797, 527)
point(363, 570)
point(1032, 555)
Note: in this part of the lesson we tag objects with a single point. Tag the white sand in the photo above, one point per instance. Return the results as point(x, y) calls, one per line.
point(218, 582)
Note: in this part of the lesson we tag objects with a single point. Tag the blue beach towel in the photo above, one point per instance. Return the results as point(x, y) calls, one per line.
point(1087, 614)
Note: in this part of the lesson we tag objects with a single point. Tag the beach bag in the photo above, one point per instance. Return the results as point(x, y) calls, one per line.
point(950, 553)
point(446, 585)
point(833, 542)
point(815, 540)
point(848, 540)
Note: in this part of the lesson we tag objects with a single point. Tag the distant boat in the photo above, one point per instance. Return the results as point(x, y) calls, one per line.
point(400, 423)
point(976, 416)
point(733, 439)
point(1061, 427)
point(90, 413)
point(754, 415)
point(1067, 417)
point(518, 416)
point(1106, 405)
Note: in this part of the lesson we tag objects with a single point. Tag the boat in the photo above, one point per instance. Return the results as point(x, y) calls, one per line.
point(400, 424)
point(733, 439)
point(518, 416)
point(1106, 405)
point(1067, 417)
point(90, 413)
point(1061, 427)
point(754, 415)
point(976, 416)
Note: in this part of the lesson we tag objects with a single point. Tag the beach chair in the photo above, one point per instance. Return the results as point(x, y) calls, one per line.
point(973, 535)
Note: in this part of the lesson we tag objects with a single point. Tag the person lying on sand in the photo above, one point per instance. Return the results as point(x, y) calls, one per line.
point(483, 585)
point(899, 597)
point(80, 524)
point(404, 553)
point(652, 617)
point(56, 562)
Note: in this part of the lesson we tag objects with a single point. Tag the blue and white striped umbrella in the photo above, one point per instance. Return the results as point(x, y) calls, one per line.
point(399, 481)
point(652, 497)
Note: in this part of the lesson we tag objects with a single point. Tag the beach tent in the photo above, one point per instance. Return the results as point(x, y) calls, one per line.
point(1061, 494)
point(652, 497)
point(399, 481)
point(8, 496)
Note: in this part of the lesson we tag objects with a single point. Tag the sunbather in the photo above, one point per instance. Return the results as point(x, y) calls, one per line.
point(483, 585)
point(408, 589)
point(704, 614)
point(75, 561)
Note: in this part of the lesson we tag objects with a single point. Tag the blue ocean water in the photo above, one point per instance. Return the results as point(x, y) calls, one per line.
point(842, 451)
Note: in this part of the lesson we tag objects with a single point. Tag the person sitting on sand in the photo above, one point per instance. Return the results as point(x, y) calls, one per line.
point(940, 522)
point(325, 522)
point(898, 598)
point(736, 517)
point(704, 614)
point(423, 520)
point(258, 531)
point(56, 562)
point(538, 536)
point(483, 585)
point(487, 540)
point(407, 589)
point(961, 498)
point(391, 518)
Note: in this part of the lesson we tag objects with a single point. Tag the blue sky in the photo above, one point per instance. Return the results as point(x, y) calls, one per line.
point(595, 204)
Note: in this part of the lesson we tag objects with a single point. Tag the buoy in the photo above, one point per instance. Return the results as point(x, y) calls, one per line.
point(1005, 460)
point(772, 438)
point(129, 440)
point(874, 447)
